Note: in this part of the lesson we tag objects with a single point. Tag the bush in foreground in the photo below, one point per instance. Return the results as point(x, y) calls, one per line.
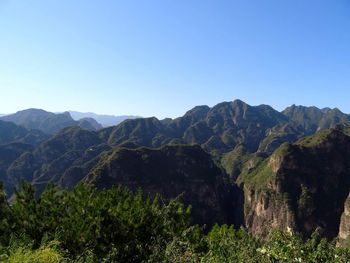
point(116, 225)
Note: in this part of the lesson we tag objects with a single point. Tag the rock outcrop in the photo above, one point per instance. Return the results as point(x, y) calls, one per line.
point(302, 185)
point(344, 228)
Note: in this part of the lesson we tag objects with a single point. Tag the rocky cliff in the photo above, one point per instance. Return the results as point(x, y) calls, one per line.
point(303, 186)
point(344, 228)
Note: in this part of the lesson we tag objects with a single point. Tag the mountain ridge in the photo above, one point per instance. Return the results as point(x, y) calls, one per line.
point(244, 144)
point(48, 122)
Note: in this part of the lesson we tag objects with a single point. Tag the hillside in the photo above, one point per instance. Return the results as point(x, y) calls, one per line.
point(223, 158)
point(218, 129)
point(10, 132)
point(170, 171)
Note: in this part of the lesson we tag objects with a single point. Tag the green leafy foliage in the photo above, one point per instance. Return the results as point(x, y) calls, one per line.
point(116, 225)
point(19, 252)
point(113, 224)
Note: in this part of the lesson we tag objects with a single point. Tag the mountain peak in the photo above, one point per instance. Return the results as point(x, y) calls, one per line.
point(198, 112)
point(239, 103)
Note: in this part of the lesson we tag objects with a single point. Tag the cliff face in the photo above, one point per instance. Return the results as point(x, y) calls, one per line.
point(170, 171)
point(302, 186)
point(267, 210)
point(344, 228)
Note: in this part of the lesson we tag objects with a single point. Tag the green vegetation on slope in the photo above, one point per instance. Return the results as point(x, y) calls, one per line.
point(116, 225)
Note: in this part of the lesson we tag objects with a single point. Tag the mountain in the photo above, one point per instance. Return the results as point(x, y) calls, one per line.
point(48, 122)
point(170, 171)
point(302, 185)
point(251, 165)
point(14, 141)
point(312, 119)
point(75, 155)
point(89, 124)
point(103, 119)
point(47, 162)
point(8, 154)
point(217, 130)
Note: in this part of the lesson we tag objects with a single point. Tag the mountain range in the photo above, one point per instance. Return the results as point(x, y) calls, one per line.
point(235, 163)
point(103, 119)
point(48, 122)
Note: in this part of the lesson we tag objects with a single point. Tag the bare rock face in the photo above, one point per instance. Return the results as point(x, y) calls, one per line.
point(267, 210)
point(344, 228)
point(302, 186)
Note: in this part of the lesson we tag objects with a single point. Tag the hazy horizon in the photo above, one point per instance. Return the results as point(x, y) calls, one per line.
point(185, 110)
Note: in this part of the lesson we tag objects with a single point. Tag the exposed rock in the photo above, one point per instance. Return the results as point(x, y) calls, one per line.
point(344, 228)
point(266, 210)
point(303, 186)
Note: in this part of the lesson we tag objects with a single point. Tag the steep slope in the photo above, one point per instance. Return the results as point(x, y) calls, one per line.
point(279, 134)
point(8, 154)
point(302, 185)
point(280, 190)
point(170, 171)
point(89, 124)
point(10, 132)
point(312, 119)
point(344, 228)
point(223, 127)
point(218, 129)
point(148, 132)
point(49, 161)
point(47, 122)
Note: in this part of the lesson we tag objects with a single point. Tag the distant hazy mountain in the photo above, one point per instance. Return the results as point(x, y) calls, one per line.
point(48, 122)
point(104, 120)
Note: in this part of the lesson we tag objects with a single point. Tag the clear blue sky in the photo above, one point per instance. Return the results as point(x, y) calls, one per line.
point(161, 58)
